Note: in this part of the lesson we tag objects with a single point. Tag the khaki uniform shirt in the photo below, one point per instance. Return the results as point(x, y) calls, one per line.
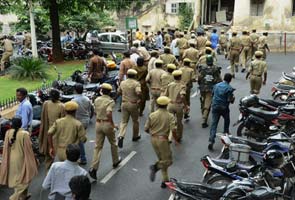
point(103, 105)
point(208, 35)
point(27, 39)
point(126, 64)
point(167, 38)
point(176, 91)
point(258, 67)
point(96, 67)
point(165, 80)
point(222, 40)
point(188, 75)
point(262, 42)
point(160, 122)
point(55, 111)
point(192, 41)
point(254, 37)
point(192, 54)
point(144, 53)
point(182, 43)
point(67, 130)
point(154, 78)
point(235, 43)
point(168, 59)
point(201, 42)
point(8, 45)
point(245, 40)
point(130, 88)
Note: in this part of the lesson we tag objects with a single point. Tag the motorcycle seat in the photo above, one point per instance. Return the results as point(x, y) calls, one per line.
point(285, 87)
point(268, 115)
point(255, 146)
point(274, 103)
point(91, 86)
point(35, 124)
point(199, 188)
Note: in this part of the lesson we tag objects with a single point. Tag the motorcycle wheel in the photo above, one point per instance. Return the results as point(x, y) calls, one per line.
point(178, 197)
point(281, 97)
point(219, 180)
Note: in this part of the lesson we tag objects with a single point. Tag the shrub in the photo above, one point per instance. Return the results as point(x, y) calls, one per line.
point(29, 68)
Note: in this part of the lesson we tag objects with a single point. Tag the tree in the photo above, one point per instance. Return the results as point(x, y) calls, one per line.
point(186, 14)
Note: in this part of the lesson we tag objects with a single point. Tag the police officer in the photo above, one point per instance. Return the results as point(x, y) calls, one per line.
point(246, 44)
point(262, 44)
point(257, 68)
point(235, 47)
point(223, 43)
point(176, 91)
point(192, 40)
point(167, 38)
point(192, 54)
point(154, 80)
point(104, 106)
point(168, 58)
point(201, 41)
point(65, 131)
point(167, 77)
point(131, 92)
point(209, 75)
point(254, 37)
point(159, 125)
point(203, 58)
point(207, 33)
point(181, 43)
point(8, 51)
point(188, 77)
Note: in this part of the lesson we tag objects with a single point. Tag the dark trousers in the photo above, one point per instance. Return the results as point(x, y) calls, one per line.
point(218, 111)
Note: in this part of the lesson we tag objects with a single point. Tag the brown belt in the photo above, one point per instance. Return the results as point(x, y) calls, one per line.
point(102, 120)
point(165, 137)
point(256, 75)
point(156, 88)
point(134, 102)
point(235, 48)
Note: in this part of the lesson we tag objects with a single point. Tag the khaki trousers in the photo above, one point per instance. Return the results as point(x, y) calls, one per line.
point(104, 129)
point(5, 58)
point(163, 152)
point(155, 94)
point(255, 84)
point(245, 56)
point(177, 111)
point(20, 192)
point(234, 60)
point(129, 109)
point(206, 99)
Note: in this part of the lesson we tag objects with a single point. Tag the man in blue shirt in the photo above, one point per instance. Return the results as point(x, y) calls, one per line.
point(24, 110)
point(159, 40)
point(214, 39)
point(83, 114)
point(222, 97)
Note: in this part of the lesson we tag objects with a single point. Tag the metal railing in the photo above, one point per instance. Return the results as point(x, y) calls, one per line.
point(12, 101)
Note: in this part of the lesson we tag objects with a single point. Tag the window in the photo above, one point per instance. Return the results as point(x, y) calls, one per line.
point(104, 38)
point(174, 8)
point(256, 7)
point(117, 39)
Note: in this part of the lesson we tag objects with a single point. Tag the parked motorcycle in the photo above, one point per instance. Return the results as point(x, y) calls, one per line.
point(255, 122)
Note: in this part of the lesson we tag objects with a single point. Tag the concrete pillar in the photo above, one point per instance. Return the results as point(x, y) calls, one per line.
point(198, 14)
point(203, 12)
point(241, 11)
point(219, 5)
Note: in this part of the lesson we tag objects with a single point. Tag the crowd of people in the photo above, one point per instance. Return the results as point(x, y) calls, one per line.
point(165, 76)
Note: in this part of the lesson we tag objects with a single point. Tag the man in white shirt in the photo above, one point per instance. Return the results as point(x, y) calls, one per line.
point(60, 174)
point(134, 54)
point(175, 50)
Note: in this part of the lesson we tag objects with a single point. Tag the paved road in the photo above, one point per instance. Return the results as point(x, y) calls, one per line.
point(131, 182)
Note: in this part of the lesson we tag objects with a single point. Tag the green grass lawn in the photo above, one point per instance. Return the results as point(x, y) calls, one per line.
point(8, 85)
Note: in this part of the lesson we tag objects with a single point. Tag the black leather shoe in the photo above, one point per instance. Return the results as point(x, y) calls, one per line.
point(120, 142)
point(186, 116)
point(92, 173)
point(243, 70)
point(82, 162)
point(154, 170)
point(115, 165)
point(210, 146)
point(136, 138)
point(204, 125)
point(163, 185)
